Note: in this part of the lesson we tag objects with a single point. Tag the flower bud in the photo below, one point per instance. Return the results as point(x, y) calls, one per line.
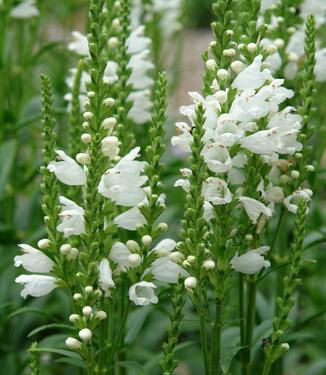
point(285, 346)
point(87, 310)
point(163, 226)
point(252, 47)
point(271, 49)
point(221, 96)
point(91, 94)
point(77, 296)
point(229, 52)
point(146, 240)
point(65, 249)
point(109, 123)
point(74, 318)
point(190, 282)
point(133, 246)
point(134, 259)
point(82, 158)
point(88, 289)
point(85, 334)
point(222, 74)
point(237, 66)
point(191, 259)
point(210, 64)
point(85, 125)
point(209, 265)
point(101, 315)
point(86, 138)
point(295, 174)
point(73, 343)
point(249, 237)
point(113, 42)
point(88, 116)
point(116, 24)
point(176, 256)
point(109, 102)
point(310, 168)
point(44, 243)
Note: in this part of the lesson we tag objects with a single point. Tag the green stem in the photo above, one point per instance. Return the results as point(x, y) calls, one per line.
point(203, 339)
point(267, 368)
point(241, 310)
point(251, 311)
point(216, 344)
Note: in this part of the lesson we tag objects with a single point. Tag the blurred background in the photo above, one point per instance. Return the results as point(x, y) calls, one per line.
point(40, 45)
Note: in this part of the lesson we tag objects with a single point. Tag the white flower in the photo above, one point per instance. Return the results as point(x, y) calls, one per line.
point(111, 72)
point(72, 218)
point(217, 158)
point(67, 170)
point(320, 65)
point(143, 293)
point(226, 132)
point(36, 285)
point(140, 111)
point(33, 260)
point(315, 7)
point(185, 139)
point(255, 209)
point(79, 44)
point(268, 4)
point(216, 191)
point(25, 9)
point(119, 254)
point(184, 184)
point(130, 219)
point(261, 142)
point(291, 202)
point(73, 343)
point(165, 247)
point(163, 269)
point(251, 262)
point(140, 65)
point(208, 211)
point(105, 276)
point(137, 41)
point(123, 183)
point(252, 77)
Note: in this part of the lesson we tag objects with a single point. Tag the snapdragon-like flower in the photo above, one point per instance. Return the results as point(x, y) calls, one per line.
point(79, 44)
point(255, 209)
point(251, 262)
point(24, 10)
point(67, 170)
point(105, 276)
point(216, 191)
point(291, 202)
point(33, 260)
point(123, 183)
point(36, 285)
point(143, 293)
point(72, 217)
point(163, 269)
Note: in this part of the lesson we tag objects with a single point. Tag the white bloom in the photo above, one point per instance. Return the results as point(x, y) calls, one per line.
point(140, 65)
point(291, 202)
point(251, 262)
point(36, 285)
point(123, 183)
point(143, 293)
point(252, 77)
point(130, 219)
point(165, 247)
point(25, 9)
point(111, 72)
point(315, 7)
point(163, 269)
point(33, 260)
point(184, 140)
point(208, 211)
point(184, 184)
point(105, 276)
point(67, 170)
point(72, 218)
point(119, 254)
point(140, 111)
point(137, 41)
point(73, 343)
point(261, 142)
point(110, 146)
point(255, 209)
point(216, 191)
point(320, 65)
point(267, 4)
point(79, 44)
point(226, 132)
point(217, 158)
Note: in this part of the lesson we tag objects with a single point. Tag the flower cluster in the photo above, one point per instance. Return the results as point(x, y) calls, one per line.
point(249, 141)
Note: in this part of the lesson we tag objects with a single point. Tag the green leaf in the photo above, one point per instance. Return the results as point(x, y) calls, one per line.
point(24, 310)
point(317, 368)
point(264, 330)
point(227, 357)
point(132, 365)
point(75, 362)
point(65, 353)
point(49, 326)
point(7, 156)
point(135, 323)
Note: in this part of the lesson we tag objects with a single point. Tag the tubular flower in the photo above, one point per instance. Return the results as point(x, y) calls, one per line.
point(143, 293)
point(33, 260)
point(36, 285)
point(251, 262)
point(72, 217)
